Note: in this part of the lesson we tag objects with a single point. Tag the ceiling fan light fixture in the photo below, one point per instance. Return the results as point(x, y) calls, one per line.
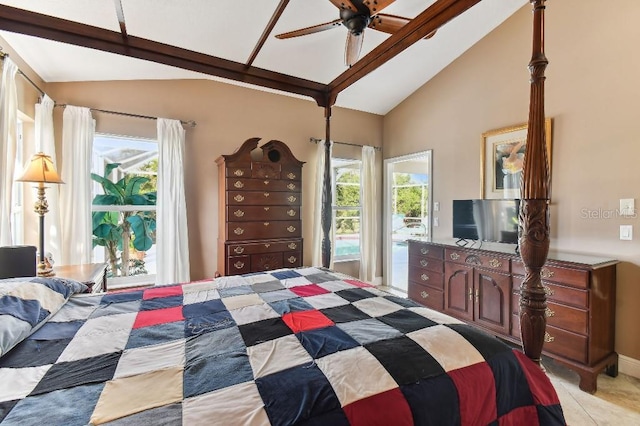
point(357, 24)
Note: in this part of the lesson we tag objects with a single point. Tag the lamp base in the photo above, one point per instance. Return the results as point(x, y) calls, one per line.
point(44, 270)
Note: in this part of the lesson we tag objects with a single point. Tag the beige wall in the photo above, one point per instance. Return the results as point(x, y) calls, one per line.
point(226, 116)
point(593, 96)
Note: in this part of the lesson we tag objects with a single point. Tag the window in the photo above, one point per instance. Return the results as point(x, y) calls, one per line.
point(346, 209)
point(17, 212)
point(124, 207)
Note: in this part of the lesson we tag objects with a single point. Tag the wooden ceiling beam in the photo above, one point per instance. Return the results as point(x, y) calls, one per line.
point(267, 31)
point(432, 18)
point(51, 28)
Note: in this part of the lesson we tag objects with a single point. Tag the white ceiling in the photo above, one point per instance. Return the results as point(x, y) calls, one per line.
point(230, 29)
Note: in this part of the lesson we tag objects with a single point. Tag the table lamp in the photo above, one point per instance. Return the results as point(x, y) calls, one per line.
point(41, 171)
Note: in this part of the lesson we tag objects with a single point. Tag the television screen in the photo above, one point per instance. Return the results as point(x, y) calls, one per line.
point(486, 220)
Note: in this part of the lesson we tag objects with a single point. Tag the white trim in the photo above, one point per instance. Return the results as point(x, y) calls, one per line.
point(629, 366)
point(123, 208)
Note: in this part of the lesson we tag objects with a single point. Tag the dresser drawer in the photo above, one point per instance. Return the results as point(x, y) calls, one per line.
point(427, 296)
point(561, 342)
point(263, 198)
point(255, 213)
point(558, 315)
point(262, 185)
point(265, 170)
point(292, 259)
point(417, 248)
point(574, 277)
point(266, 262)
point(425, 277)
point(238, 170)
point(559, 293)
point(238, 265)
point(426, 263)
point(237, 231)
point(264, 247)
point(291, 173)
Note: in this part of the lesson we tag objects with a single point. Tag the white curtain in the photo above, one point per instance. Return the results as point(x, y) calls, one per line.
point(78, 128)
point(45, 142)
point(172, 239)
point(368, 225)
point(8, 136)
point(316, 250)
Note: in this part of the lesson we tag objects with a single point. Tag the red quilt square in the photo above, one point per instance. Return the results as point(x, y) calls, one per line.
point(358, 283)
point(477, 392)
point(386, 408)
point(152, 293)
point(520, 416)
point(540, 385)
point(309, 290)
point(158, 316)
point(306, 320)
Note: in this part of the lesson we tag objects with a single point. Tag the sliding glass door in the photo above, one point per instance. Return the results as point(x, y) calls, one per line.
point(407, 206)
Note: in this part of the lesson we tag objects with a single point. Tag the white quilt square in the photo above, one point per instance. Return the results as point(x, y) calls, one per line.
point(17, 383)
point(377, 306)
point(295, 282)
point(199, 294)
point(335, 286)
point(355, 374)
point(277, 355)
point(436, 316)
point(240, 301)
point(150, 358)
point(249, 314)
point(449, 348)
point(328, 300)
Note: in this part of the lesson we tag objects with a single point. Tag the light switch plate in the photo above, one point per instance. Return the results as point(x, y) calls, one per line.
point(436, 221)
point(436, 206)
point(626, 232)
point(627, 207)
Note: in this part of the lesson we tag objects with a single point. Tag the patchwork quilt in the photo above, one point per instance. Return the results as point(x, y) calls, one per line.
point(301, 346)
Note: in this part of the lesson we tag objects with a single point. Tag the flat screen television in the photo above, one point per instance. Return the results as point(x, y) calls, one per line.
point(486, 220)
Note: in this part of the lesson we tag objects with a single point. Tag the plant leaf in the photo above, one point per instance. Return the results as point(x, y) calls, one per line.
point(106, 200)
point(108, 186)
point(133, 185)
point(142, 234)
point(109, 168)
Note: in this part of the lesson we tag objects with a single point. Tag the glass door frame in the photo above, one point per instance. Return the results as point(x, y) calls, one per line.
point(387, 208)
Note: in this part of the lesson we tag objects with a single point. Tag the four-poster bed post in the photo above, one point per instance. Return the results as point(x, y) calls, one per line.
point(326, 192)
point(534, 206)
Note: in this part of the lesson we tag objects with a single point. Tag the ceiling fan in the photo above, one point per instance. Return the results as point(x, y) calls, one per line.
point(357, 15)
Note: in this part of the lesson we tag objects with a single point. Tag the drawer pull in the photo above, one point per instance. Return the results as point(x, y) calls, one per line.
point(477, 295)
point(266, 224)
point(548, 291)
point(239, 172)
point(238, 213)
point(292, 259)
point(470, 295)
point(495, 263)
point(238, 184)
point(239, 250)
point(239, 265)
point(291, 228)
point(424, 263)
point(292, 199)
point(266, 182)
point(454, 256)
point(266, 266)
point(238, 231)
point(266, 209)
point(548, 338)
point(266, 194)
point(291, 186)
point(548, 313)
point(546, 273)
point(424, 277)
point(267, 245)
point(292, 246)
point(424, 250)
point(291, 176)
point(239, 198)
point(291, 212)
point(424, 294)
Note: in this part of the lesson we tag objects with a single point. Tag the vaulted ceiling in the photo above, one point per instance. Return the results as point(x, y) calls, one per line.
point(233, 41)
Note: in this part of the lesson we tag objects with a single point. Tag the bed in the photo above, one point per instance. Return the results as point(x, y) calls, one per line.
point(292, 346)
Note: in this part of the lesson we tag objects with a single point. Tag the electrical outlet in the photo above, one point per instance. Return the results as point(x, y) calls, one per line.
point(436, 206)
point(626, 232)
point(436, 221)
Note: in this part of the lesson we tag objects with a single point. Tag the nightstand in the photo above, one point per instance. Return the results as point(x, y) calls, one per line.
point(93, 275)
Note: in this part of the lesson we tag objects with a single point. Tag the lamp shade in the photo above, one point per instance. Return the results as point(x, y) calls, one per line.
point(40, 169)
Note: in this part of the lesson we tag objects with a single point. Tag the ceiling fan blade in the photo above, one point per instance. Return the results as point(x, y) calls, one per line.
point(391, 24)
point(353, 47)
point(344, 4)
point(311, 30)
point(376, 6)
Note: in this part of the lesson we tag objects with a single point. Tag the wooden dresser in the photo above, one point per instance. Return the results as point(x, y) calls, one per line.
point(259, 226)
point(481, 287)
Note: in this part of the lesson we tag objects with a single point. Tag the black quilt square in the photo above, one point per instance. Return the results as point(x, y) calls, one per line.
point(403, 301)
point(202, 324)
point(511, 383)
point(406, 321)
point(486, 344)
point(204, 308)
point(296, 394)
point(346, 313)
point(433, 401)
point(324, 341)
point(121, 297)
point(263, 331)
point(335, 417)
point(404, 359)
point(267, 286)
point(354, 294)
point(6, 407)
point(65, 375)
point(34, 353)
point(161, 303)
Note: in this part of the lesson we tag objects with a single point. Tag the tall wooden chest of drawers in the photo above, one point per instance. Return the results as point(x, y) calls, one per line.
point(260, 197)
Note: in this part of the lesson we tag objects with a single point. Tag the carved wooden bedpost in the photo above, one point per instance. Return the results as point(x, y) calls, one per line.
point(326, 192)
point(534, 206)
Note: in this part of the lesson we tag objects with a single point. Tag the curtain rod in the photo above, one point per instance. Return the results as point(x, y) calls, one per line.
point(26, 77)
point(316, 141)
point(189, 123)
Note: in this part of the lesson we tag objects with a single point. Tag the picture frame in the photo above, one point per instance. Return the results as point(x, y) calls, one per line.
point(501, 159)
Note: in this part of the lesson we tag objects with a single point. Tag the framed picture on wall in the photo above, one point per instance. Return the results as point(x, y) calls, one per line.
point(502, 158)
